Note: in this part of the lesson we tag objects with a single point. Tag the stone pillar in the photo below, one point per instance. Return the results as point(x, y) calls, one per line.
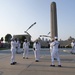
point(53, 20)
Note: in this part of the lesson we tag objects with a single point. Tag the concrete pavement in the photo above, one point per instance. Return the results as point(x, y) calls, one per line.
point(30, 67)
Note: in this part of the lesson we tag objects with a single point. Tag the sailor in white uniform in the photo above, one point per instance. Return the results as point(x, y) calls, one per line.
point(51, 45)
point(26, 49)
point(18, 46)
point(13, 51)
point(73, 47)
point(36, 48)
point(55, 53)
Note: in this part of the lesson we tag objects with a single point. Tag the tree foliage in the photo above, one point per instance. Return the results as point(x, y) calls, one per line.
point(2, 39)
point(8, 37)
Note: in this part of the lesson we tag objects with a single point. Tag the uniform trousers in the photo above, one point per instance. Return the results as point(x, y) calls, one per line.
point(37, 54)
point(25, 53)
point(55, 54)
point(13, 52)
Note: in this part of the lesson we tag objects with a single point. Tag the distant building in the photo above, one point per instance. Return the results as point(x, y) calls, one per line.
point(66, 43)
point(45, 43)
point(42, 39)
point(63, 43)
point(25, 36)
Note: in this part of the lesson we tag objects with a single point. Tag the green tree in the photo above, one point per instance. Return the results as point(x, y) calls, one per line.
point(2, 39)
point(8, 38)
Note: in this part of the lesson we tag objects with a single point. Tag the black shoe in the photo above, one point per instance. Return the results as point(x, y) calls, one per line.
point(23, 57)
point(36, 60)
point(52, 65)
point(55, 59)
point(26, 57)
point(59, 66)
point(12, 64)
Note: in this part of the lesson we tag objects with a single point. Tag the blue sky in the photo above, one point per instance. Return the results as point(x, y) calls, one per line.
point(17, 15)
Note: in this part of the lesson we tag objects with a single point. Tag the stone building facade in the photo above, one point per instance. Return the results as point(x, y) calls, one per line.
point(28, 37)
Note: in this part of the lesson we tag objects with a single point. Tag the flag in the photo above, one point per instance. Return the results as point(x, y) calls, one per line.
point(27, 33)
point(31, 26)
point(44, 36)
point(48, 33)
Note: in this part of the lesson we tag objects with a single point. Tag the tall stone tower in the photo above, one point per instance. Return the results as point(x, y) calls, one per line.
point(53, 20)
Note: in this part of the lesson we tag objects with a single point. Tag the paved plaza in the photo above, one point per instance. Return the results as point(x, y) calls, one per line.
point(30, 67)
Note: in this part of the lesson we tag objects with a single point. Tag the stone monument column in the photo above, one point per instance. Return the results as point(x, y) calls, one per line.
point(53, 20)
